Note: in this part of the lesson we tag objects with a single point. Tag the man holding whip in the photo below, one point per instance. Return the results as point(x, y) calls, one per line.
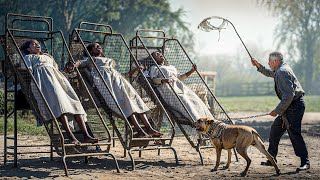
point(291, 108)
point(289, 111)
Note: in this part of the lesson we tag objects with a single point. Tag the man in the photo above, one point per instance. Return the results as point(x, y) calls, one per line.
point(289, 111)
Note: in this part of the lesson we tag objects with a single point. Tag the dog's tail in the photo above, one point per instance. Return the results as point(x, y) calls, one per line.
point(256, 133)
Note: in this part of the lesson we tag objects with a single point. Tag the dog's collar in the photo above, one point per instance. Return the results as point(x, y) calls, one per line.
point(215, 130)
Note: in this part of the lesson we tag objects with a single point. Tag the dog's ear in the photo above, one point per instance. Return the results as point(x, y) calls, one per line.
point(209, 120)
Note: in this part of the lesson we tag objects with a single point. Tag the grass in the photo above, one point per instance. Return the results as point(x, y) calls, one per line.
point(263, 103)
point(26, 125)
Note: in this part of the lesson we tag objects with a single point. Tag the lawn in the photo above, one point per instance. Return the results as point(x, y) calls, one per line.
point(263, 103)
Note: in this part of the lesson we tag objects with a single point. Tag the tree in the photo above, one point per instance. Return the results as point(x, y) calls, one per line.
point(125, 16)
point(299, 30)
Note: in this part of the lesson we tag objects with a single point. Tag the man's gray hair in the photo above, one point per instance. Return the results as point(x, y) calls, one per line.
point(276, 55)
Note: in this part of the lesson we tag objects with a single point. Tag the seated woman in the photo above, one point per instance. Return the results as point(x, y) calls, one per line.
point(191, 101)
point(128, 99)
point(56, 89)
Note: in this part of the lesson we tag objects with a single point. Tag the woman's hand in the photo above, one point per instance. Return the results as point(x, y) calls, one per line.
point(194, 67)
point(70, 66)
point(166, 80)
point(130, 73)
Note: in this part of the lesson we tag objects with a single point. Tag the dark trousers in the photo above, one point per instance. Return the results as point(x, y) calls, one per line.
point(294, 114)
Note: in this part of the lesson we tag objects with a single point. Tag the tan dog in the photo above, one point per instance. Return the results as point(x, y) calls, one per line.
point(233, 136)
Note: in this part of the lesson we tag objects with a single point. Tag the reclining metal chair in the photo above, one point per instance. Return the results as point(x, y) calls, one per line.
point(25, 27)
point(147, 41)
point(115, 47)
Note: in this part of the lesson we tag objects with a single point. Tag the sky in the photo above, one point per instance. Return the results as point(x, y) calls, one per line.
point(254, 23)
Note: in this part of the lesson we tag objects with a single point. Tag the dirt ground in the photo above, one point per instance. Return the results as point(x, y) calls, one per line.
point(152, 166)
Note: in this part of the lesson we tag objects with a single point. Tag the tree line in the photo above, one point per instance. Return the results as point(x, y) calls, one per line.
point(298, 30)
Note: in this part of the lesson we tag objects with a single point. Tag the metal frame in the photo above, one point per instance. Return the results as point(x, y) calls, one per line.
point(139, 43)
point(61, 147)
point(126, 138)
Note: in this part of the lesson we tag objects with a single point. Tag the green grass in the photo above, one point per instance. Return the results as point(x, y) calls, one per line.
point(263, 103)
point(25, 126)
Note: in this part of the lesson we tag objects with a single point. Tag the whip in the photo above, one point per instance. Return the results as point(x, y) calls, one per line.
point(205, 25)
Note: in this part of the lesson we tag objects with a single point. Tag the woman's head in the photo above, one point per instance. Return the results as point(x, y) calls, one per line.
point(94, 49)
point(31, 47)
point(158, 57)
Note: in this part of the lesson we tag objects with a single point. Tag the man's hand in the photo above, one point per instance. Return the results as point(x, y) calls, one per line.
point(273, 113)
point(255, 62)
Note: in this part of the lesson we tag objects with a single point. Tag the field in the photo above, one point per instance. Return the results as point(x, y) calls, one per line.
point(262, 103)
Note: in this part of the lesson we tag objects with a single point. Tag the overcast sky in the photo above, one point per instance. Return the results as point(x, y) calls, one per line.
point(253, 22)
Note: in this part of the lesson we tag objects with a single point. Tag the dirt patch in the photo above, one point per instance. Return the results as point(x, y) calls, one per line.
point(152, 166)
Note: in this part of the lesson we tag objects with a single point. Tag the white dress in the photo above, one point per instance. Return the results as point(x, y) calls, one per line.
point(126, 96)
point(192, 102)
point(54, 86)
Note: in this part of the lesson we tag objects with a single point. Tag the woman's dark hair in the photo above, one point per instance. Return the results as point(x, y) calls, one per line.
point(24, 47)
point(89, 48)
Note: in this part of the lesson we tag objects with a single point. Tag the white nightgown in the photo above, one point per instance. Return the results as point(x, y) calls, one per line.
point(192, 102)
point(55, 87)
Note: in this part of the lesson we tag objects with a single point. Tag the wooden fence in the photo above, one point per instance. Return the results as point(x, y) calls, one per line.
point(246, 89)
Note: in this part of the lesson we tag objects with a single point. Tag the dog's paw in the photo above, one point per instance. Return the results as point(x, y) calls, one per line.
point(243, 173)
point(278, 172)
point(225, 167)
point(214, 169)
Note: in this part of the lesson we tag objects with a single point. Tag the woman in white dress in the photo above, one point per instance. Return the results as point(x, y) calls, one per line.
point(128, 99)
point(191, 101)
point(56, 89)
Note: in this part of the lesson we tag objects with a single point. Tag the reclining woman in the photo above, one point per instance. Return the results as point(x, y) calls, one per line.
point(56, 89)
point(191, 101)
point(128, 99)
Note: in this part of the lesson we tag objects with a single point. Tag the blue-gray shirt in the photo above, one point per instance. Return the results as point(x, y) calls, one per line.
point(287, 85)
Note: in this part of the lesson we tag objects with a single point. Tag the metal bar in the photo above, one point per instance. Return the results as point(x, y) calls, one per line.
point(25, 30)
point(26, 16)
point(5, 113)
point(15, 123)
point(29, 146)
point(86, 144)
point(87, 154)
point(141, 47)
point(150, 30)
point(93, 31)
point(34, 152)
point(9, 114)
point(95, 24)
point(153, 37)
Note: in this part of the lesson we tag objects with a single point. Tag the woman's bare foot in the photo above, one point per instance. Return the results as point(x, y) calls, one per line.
point(76, 142)
point(154, 133)
point(90, 139)
point(142, 134)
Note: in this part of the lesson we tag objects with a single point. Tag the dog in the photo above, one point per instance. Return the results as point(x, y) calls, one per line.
point(233, 136)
